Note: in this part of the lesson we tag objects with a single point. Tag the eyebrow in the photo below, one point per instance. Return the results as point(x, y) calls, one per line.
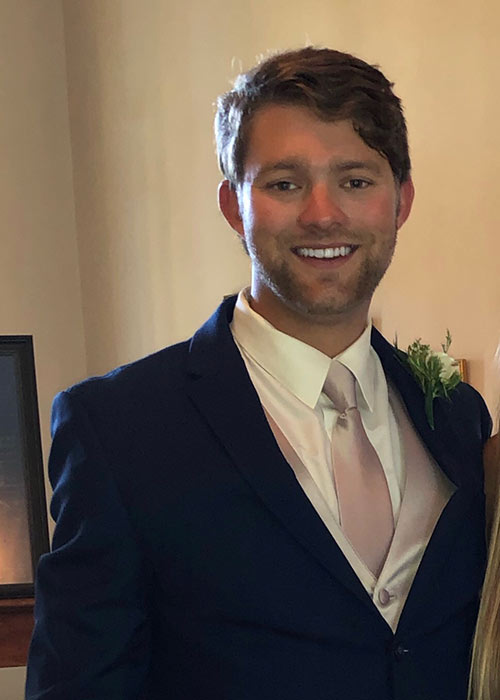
point(294, 164)
point(371, 165)
point(291, 164)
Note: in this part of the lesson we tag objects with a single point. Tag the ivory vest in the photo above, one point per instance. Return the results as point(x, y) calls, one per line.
point(426, 492)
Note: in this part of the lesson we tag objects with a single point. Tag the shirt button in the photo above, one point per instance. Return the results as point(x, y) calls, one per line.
point(384, 596)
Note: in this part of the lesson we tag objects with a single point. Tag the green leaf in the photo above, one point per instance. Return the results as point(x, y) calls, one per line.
point(426, 367)
point(447, 343)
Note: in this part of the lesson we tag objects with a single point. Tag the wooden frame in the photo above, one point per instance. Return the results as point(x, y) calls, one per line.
point(16, 627)
point(23, 515)
point(462, 368)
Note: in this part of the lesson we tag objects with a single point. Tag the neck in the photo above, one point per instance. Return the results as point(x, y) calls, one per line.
point(330, 334)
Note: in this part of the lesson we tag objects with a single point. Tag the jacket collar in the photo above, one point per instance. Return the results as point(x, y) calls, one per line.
point(438, 441)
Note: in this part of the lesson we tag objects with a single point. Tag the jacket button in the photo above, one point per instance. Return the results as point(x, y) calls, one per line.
point(400, 652)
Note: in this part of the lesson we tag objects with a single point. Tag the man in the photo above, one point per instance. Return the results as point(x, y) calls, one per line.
point(263, 512)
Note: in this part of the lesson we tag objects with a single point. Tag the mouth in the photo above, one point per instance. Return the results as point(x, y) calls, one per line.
point(330, 253)
point(325, 255)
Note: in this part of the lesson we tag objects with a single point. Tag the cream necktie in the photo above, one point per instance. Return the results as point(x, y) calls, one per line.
point(364, 502)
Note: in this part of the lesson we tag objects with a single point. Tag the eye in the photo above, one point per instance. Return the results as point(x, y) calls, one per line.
point(356, 183)
point(282, 186)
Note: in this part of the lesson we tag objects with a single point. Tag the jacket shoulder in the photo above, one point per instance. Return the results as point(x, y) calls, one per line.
point(465, 408)
point(472, 410)
point(164, 370)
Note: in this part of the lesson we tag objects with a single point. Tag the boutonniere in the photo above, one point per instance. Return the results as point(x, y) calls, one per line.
point(436, 373)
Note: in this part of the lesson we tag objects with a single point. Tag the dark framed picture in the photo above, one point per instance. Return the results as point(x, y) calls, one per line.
point(23, 515)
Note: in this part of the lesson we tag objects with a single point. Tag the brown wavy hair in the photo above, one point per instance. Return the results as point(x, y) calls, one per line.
point(334, 85)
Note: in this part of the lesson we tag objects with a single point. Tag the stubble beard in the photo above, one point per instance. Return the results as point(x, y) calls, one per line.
point(338, 298)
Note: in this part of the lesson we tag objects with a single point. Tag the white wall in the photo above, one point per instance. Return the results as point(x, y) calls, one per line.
point(12, 683)
point(39, 275)
point(155, 254)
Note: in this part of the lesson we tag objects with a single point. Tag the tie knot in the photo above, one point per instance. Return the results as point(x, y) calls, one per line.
point(340, 386)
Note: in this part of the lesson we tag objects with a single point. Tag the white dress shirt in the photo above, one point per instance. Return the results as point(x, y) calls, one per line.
point(289, 375)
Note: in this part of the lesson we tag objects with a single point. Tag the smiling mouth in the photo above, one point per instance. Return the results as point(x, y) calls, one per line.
point(328, 253)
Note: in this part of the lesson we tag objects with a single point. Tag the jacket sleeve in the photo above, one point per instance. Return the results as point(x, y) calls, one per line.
point(92, 627)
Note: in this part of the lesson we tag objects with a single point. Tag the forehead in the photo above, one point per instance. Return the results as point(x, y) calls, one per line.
point(279, 132)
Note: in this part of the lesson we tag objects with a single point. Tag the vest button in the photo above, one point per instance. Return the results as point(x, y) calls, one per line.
point(400, 652)
point(384, 596)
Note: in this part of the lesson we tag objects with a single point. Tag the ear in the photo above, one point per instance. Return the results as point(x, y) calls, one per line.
point(230, 208)
point(406, 194)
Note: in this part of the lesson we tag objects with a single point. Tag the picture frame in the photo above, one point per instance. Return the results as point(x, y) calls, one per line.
point(23, 514)
point(463, 370)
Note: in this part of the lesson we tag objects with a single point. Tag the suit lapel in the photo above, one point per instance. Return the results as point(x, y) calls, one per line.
point(219, 386)
point(438, 441)
point(441, 443)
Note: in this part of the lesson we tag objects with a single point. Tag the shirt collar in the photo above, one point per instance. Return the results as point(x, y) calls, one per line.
point(360, 359)
point(299, 367)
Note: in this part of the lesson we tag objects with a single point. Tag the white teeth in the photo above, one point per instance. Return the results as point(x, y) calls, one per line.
point(342, 251)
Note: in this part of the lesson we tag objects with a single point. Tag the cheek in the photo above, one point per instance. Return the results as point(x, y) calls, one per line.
point(263, 214)
point(377, 213)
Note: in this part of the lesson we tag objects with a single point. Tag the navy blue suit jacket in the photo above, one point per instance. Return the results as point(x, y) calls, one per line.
point(188, 563)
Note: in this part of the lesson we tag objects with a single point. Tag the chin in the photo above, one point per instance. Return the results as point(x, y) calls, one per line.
point(320, 309)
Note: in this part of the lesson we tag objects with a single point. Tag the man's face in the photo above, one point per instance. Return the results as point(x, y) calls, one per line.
point(319, 211)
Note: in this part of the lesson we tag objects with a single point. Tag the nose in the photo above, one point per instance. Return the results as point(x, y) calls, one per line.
point(322, 208)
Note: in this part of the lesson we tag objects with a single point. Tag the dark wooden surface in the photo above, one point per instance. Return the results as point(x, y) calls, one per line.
point(16, 626)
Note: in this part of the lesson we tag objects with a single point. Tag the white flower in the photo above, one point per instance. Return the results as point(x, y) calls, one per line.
point(437, 373)
point(449, 366)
